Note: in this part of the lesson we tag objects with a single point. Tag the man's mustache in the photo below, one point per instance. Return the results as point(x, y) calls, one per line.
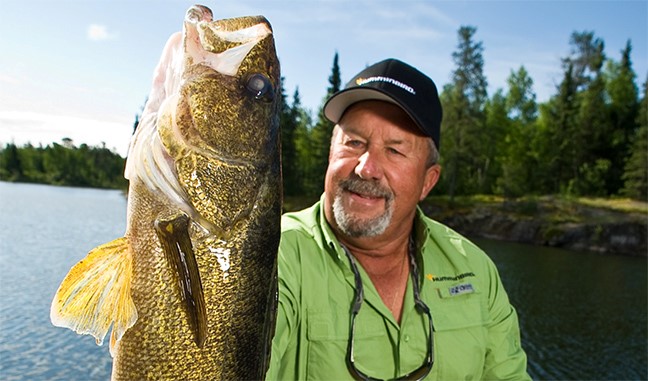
point(366, 188)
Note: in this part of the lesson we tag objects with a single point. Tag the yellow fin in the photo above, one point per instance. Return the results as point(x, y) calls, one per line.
point(97, 293)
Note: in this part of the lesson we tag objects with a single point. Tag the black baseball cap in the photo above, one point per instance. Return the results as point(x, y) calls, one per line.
point(393, 81)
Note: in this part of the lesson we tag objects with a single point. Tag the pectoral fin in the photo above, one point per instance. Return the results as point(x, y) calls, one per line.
point(97, 293)
point(173, 233)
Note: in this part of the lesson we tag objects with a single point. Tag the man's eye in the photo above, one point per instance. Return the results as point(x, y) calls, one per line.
point(354, 143)
point(394, 151)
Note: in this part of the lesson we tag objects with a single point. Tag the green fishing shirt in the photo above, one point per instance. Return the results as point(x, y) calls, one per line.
point(476, 332)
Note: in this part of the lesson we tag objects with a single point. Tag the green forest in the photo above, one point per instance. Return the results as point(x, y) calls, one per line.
point(63, 164)
point(589, 139)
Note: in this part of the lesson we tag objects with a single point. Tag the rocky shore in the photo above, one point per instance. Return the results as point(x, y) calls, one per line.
point(548, 221)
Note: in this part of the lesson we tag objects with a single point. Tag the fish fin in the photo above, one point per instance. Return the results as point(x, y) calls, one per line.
point(97, 293)
point(173, 233)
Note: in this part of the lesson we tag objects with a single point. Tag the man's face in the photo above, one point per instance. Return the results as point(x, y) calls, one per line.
point(377, 171)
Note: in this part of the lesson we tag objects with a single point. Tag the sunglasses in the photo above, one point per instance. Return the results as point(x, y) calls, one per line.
point(422, 371)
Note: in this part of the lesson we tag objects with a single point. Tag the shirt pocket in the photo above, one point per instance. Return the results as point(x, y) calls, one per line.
point(460, 335)
point(328, 340)
point(458, 306)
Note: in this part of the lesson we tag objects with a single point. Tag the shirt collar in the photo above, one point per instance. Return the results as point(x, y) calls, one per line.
point(421, 230)
point(329, 238)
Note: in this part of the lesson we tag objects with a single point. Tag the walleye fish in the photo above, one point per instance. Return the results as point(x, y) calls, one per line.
point(190, 290)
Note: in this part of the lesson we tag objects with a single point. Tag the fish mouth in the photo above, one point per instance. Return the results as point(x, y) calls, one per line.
point(224, 49)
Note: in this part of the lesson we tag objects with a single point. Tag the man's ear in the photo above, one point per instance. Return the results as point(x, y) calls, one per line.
point(432, 175)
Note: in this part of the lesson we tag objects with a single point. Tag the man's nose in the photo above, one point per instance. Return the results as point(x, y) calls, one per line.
point(368, 167)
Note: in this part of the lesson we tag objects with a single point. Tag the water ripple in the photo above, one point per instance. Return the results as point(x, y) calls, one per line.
point(43, 232)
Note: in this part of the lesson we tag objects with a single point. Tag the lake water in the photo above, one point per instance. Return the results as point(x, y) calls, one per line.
point(583, 316)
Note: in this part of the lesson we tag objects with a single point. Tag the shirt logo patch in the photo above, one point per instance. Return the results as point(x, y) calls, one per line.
point(442, 278)
point(461, 289)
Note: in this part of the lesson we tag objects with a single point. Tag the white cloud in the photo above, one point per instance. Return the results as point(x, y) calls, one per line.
point(97, 32)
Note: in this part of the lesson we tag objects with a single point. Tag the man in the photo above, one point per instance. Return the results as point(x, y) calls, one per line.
point(370, 288)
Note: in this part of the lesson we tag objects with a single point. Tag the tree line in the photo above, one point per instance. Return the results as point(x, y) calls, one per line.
point(589, 139)
point(63, 164)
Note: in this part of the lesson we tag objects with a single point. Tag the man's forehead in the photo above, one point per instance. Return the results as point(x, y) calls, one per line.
point(396, 134)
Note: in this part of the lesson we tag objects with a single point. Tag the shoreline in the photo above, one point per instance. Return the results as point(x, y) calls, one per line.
point(618, 227)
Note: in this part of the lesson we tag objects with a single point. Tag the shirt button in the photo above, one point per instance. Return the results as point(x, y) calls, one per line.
point(406, 338)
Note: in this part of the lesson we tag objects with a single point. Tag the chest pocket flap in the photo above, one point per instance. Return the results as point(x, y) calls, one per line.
point(457, 306)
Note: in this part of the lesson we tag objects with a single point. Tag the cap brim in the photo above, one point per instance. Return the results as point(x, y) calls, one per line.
point(340, 102)
point(337, 104)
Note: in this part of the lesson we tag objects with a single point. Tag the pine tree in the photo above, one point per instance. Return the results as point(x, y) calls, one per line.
point(517, 148)
point(497, 128)
point(586, 58)
point(624, 108)
point(592, 137)
point(294, 140)
point(521, 100)
point(31, 162)
point(10, 164)
point(554, 142)
point(464, 120)
point(304, 151)
point(589, 135)
point(636, 169)
point(288, 152)
point(321, 136)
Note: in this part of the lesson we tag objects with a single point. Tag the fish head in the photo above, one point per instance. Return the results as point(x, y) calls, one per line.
point(230, 94)
point(227, 101)
point(214, 104)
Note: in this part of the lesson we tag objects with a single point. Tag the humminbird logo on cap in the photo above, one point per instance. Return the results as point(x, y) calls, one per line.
point(362, 81)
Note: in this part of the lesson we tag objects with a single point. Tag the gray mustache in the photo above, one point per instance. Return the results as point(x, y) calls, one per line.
point(365, 188)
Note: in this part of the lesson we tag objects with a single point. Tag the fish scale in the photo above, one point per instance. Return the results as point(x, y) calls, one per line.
point(191, 288)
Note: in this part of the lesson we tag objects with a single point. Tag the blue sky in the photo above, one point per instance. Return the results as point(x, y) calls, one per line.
point(82, 68)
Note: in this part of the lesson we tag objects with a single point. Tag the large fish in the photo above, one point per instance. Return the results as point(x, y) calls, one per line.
point(190, 290)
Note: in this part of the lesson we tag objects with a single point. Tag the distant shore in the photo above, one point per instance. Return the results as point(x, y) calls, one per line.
point(610, 226)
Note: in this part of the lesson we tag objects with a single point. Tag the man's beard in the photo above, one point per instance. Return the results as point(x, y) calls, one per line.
point(357, 227)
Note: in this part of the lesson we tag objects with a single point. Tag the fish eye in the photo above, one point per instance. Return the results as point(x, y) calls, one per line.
point(260, 87)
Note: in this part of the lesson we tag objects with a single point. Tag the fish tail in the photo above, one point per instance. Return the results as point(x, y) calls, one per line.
point(97, 293)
